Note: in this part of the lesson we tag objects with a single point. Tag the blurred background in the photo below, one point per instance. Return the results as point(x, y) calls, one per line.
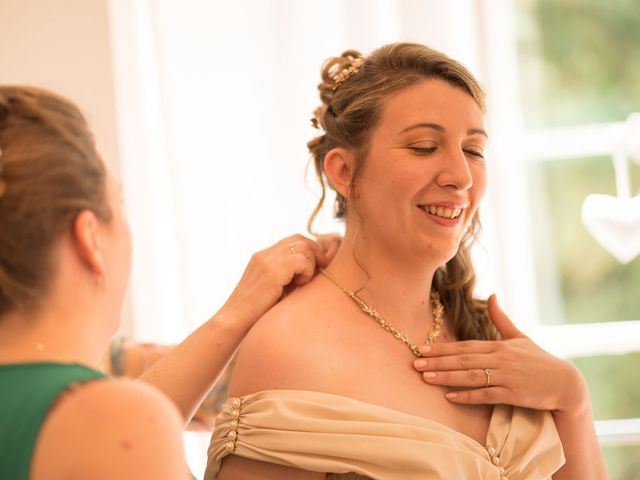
point(202, 108)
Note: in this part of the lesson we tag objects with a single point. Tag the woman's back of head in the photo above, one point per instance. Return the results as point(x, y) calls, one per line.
point(49, 171)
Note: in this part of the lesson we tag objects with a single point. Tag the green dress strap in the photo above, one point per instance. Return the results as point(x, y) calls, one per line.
point(27, 391)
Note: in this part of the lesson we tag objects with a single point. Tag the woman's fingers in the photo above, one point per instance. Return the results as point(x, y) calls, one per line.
point(272, 273)
point(330, 244)
point(465, 361)
point(489, 372)
point(472, 378)
point(310, 250)
point(481, 396)
point(303, 267)
point(316, 251)
point(305, 255)
point(458, 348)
point(324, 248)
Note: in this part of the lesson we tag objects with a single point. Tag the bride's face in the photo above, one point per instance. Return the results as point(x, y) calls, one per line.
point(424, 174)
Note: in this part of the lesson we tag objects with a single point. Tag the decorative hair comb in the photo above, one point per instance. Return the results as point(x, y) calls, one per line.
point(348, 72)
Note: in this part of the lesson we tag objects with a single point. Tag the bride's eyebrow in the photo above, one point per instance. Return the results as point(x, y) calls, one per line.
point(441, 129)
point(474, 131)
point(433, 126)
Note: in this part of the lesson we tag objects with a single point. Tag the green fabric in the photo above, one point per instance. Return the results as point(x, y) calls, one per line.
point(27, 391)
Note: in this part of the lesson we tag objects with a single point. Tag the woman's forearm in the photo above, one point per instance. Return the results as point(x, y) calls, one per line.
point(188, 372)
point(579, 441)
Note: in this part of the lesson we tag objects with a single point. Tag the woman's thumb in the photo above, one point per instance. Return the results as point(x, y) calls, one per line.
point(500, 319)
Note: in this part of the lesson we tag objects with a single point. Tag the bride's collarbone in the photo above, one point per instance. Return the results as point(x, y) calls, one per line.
point(344, 354)
point(386, 377)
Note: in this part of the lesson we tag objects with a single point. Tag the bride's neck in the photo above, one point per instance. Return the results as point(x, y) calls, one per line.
point(398, 287)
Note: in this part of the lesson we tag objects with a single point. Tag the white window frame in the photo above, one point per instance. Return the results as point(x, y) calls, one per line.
point(513, 148)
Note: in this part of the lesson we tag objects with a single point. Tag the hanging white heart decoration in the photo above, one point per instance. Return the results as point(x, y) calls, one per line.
point(614, 223)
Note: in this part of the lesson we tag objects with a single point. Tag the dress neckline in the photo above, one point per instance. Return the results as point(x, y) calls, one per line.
point(496, 433)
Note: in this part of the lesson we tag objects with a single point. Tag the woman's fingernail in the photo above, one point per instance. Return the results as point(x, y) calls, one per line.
point(451, 395)
point(421, 363)
point(429, 375)
point(424, 349)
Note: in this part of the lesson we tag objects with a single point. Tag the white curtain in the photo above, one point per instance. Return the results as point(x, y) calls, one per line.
point(214, 107)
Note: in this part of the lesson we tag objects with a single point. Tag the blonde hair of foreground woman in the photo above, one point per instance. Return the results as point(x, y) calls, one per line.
point(348, 114)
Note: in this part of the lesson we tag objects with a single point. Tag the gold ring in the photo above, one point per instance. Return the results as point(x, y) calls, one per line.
point(292, 248)
point(487, 372)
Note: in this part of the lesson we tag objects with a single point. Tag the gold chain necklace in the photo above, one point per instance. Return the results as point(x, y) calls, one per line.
point(432, 336)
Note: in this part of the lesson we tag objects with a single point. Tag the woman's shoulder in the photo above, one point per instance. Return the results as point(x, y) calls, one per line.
point(293, 345)
point(110, 429)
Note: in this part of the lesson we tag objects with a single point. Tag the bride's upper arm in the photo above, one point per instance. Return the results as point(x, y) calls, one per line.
point(271, 355)
point(269, 358)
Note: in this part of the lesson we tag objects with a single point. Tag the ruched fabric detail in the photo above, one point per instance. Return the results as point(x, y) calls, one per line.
point(342, 436)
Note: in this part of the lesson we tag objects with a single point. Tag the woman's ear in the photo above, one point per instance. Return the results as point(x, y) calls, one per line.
point(338, 166)
point(87, 236)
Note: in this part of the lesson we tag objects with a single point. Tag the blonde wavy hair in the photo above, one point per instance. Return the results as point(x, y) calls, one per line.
point(350, 110)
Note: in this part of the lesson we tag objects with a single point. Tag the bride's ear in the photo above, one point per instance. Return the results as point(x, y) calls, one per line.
point(338, 166)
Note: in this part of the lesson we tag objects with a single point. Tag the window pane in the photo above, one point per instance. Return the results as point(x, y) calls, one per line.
point(623, 462)
point(614, 384)
point(578, 60)
point(578, 281)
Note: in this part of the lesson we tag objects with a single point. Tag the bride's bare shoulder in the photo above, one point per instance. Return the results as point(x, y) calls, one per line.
point(293, 346)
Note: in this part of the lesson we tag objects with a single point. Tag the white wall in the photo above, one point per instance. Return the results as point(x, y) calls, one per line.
point(64, 46)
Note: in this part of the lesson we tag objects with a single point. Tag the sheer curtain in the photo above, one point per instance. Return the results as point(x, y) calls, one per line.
point(215, 101)
point(214, 104)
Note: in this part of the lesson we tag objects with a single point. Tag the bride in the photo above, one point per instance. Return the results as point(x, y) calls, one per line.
point(326, 384)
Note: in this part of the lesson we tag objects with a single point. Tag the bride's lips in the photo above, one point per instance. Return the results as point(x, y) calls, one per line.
point(447, 214)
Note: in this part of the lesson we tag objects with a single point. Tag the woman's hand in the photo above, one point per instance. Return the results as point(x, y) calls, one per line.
point(272, 273)
point(514, 370)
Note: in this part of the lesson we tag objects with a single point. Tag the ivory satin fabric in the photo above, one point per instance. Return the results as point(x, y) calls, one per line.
point(351, 439)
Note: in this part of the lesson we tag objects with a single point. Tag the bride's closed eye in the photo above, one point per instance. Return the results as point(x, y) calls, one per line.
point(422, 150)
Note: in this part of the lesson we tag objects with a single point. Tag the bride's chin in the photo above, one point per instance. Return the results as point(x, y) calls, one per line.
point(439, 254)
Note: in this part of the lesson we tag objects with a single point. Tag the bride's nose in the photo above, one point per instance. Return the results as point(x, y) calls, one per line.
point(455, 170)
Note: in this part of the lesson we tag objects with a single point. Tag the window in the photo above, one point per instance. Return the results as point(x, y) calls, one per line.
point(576, 85)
